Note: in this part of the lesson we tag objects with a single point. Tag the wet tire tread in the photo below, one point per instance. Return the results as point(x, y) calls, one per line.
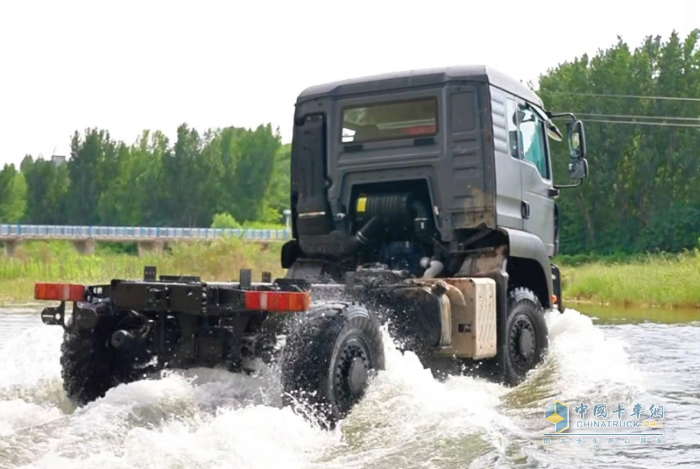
point(522, 300)
point(306, 363)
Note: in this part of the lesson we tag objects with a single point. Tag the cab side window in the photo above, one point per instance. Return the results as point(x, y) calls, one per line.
point(532, 140)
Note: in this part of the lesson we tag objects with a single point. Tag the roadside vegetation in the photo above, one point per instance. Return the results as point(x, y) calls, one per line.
point(58, 261)
point(658, 280)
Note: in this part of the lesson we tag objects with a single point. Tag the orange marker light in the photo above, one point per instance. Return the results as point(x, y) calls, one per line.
point(277, 301)
point(59, 292)
point(554, 299)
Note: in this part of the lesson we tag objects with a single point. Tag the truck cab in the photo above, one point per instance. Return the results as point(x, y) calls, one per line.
point(453, 161)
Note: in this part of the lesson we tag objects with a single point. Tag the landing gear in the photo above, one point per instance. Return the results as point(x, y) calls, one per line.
point(526, 334)
point(330, 355)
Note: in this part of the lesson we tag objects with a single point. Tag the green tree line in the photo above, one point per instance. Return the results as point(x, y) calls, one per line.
point(238, 174)
point(642, 194)
point(643, 190)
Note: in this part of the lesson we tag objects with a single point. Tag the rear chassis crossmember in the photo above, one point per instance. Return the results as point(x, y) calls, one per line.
point(180, 321)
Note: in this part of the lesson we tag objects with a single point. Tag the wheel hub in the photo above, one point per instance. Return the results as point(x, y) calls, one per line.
point(351, 373)
point(357, 376)
point(522, 342)
point(527, 342)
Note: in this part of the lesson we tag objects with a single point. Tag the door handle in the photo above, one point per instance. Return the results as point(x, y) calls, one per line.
point(525, 210)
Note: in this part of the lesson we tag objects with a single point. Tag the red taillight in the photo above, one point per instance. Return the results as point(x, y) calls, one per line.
point(277, 301)
point(59, 292)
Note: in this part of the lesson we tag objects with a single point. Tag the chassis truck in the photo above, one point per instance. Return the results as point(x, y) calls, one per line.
point(421, 200)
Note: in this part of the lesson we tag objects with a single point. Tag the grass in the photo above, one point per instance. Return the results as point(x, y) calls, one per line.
point(655, 280)
point(660, 280)
point(58, 261)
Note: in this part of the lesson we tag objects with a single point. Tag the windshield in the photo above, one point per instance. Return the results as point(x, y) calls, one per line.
point(389, 120)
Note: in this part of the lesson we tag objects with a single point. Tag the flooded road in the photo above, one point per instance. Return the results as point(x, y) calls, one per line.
point(205, 419)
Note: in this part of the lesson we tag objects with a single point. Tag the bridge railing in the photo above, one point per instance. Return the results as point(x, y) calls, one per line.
point(137, 232)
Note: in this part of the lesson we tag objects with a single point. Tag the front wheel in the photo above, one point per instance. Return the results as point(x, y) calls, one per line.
point(526, 335)
point(330, 355)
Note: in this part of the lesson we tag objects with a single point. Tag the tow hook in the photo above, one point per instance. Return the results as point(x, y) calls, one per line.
point(54, 316)
point(84, 316)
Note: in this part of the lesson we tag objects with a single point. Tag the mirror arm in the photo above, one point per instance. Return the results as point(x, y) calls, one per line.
point(566, 186)
point(562, 114)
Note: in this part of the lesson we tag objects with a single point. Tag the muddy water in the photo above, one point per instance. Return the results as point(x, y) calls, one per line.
point(206, 419)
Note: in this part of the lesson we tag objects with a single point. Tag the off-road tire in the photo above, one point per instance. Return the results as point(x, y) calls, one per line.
point(526, 329)
point(323, 349)
point(89, 366)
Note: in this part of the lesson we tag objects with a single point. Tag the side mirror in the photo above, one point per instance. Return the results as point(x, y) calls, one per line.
point(577, 139)
point(578, 169)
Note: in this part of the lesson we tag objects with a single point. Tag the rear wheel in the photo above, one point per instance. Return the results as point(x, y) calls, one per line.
point(330, 355)
point(89, 365)
point(526, 334)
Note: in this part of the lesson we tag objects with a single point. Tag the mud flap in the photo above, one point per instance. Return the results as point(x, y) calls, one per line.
point(556, 287)
point(290, 253)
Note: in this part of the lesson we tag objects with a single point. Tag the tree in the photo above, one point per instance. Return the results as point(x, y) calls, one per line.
point(13, 195)
point(643, 191)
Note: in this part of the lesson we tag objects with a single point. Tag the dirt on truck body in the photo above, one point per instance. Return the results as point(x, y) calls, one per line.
point(423, 200)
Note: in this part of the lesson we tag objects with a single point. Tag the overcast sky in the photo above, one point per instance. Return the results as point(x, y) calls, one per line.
point(130, 65)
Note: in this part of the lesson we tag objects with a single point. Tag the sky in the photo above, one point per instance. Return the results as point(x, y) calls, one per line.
point(131, 65)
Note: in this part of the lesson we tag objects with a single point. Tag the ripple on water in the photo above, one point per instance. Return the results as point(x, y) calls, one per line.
point(210, 418)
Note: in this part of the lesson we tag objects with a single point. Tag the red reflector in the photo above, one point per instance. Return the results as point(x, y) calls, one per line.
point(59, 292)
point(277, 301)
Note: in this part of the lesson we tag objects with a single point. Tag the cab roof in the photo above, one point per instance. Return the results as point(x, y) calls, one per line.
point(421, 77)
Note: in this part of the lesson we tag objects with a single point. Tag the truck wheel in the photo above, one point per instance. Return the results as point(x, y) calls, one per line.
point(330, 354)
point(526, 334)
point(89, 366)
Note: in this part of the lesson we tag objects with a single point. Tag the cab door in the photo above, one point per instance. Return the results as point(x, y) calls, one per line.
point(537, 207)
